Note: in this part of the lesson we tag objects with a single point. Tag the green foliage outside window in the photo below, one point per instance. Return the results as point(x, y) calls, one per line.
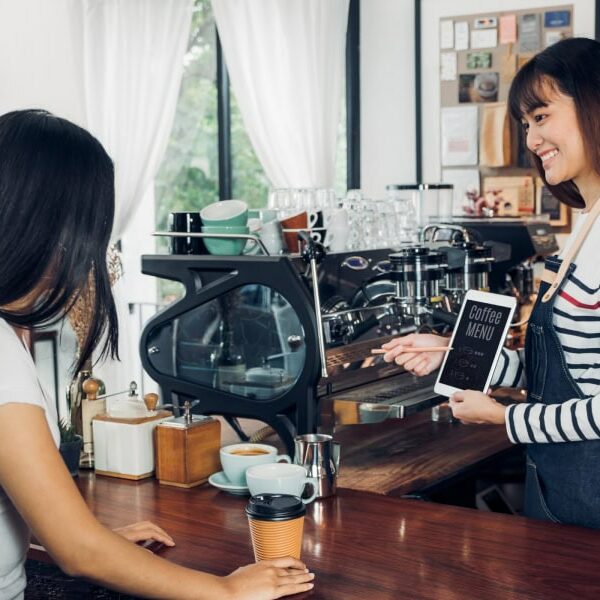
point(188, 178)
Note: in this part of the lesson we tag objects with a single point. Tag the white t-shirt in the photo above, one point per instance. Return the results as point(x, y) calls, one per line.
point(18, 383)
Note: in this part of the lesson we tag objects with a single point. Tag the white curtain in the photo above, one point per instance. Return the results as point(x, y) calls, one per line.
point(133, 62)
point(286, 63)
point(132, 66)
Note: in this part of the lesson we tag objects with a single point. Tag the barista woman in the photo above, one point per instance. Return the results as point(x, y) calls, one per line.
point(56, 214)
point(556, 99)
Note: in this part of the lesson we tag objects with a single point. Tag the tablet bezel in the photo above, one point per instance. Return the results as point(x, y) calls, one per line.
point(494, 300)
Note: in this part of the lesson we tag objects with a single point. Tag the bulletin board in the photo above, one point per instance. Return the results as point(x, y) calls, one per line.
point(479, 57)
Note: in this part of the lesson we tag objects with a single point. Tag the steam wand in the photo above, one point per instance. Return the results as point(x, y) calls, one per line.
point(313, 253)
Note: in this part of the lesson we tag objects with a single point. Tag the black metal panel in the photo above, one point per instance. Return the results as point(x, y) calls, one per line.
point(418, 110)
point(208, 277)
point(353, 96)
point(224, 125)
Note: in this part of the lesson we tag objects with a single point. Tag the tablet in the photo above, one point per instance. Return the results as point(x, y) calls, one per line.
point(476, 343)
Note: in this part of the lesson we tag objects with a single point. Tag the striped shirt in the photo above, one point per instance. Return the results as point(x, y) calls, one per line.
point(576, 319)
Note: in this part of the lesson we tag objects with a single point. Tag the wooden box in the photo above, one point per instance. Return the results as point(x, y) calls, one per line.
point(187, 453)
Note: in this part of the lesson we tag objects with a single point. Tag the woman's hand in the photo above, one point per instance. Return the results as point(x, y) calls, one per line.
point(269, 579)
point(417, 363)
point(476, 407)
point(145, 530)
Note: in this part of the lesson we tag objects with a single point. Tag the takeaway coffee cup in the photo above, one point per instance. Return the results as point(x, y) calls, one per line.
point(276, 524)
point(237, 458)
point(280, 478)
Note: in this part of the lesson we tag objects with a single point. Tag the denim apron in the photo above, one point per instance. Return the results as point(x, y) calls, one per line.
point(563, 479)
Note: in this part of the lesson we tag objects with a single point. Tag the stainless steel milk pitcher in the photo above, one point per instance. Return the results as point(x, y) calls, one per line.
point(320, 455)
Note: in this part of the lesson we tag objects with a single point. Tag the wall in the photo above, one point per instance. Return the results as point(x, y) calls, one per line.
point(388, 81)
point(387, 94)
point(432, 11)
point(39, 67)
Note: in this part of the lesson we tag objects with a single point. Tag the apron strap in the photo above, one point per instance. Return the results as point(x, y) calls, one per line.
point(570, 255)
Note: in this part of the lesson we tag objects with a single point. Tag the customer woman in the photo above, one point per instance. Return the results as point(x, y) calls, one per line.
point(556, 99)
point(56, 214)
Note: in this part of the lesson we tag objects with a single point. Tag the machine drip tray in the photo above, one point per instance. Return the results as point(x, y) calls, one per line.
point(394, 398)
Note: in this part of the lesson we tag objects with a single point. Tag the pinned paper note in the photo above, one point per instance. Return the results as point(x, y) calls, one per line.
point(557, 18)
point(485, 23)
point(459, 135)
point(508, 29)
point(482, 87)
point(448, 66)
point(552, 37)
point(484, 38)
point(446, 35)
point(479, 60)
point(461, 35)
point(494, 136)
point(529, 33)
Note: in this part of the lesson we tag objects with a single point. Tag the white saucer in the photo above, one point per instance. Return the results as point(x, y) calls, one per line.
point(220, 481)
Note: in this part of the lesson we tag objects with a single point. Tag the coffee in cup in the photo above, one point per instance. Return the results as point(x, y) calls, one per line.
point(276, 525)
point(249, 452)
point(237, 458)
point(280, 478)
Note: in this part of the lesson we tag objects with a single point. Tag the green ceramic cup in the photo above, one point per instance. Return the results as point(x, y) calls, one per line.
point(226, 213)
point(225, 246)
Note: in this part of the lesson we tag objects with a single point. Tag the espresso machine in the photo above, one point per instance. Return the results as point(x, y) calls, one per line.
point(287, 339)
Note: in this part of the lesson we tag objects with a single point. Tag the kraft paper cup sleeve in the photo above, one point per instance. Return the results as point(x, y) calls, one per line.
point(276, 539)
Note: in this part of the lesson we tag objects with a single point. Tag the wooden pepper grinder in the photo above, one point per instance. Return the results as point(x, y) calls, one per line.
point(187, 449)
point(90, 407)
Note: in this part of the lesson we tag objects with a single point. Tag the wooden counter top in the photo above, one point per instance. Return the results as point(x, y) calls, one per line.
point(368, 546)
point(406, 456)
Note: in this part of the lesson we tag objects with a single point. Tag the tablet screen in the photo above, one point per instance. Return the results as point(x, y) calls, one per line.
point(477, 336)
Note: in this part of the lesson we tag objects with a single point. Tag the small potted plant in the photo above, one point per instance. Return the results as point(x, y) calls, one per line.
point(70, 446)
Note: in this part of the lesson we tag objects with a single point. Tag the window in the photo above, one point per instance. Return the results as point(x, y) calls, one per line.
point(188, 178)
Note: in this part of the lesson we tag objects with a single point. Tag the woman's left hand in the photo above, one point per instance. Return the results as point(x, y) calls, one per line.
point(476, 407)
point(145, 530)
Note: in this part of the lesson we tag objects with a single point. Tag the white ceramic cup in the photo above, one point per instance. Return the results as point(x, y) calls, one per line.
point(337, 239)
point(338, 230)
point(272, 236)
point(280, 478)
point(235, 462)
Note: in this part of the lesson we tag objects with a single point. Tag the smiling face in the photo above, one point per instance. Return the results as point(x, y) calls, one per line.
point(553, 134)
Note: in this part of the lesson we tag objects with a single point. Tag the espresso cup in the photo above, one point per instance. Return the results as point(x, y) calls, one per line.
point(272, 236)
point(227, 213)
point(186, 222)
point(237, 458)
point(297, 221)
point(315, 219)
point(276, 525)
point(280, 478)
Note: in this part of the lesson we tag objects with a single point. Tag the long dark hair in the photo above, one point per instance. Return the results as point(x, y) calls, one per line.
point(57, 203)
point(572, 67)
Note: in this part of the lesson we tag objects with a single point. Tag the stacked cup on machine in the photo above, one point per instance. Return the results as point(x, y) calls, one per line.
point(225, 220)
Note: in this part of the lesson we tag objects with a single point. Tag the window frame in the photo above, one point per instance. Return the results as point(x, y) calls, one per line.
point(352, 108)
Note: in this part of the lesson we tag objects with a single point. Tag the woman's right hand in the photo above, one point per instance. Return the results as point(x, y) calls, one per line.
point(269, 579)
point(417, 363)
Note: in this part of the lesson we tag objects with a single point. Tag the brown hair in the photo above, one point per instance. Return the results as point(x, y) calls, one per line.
point(571, 67)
